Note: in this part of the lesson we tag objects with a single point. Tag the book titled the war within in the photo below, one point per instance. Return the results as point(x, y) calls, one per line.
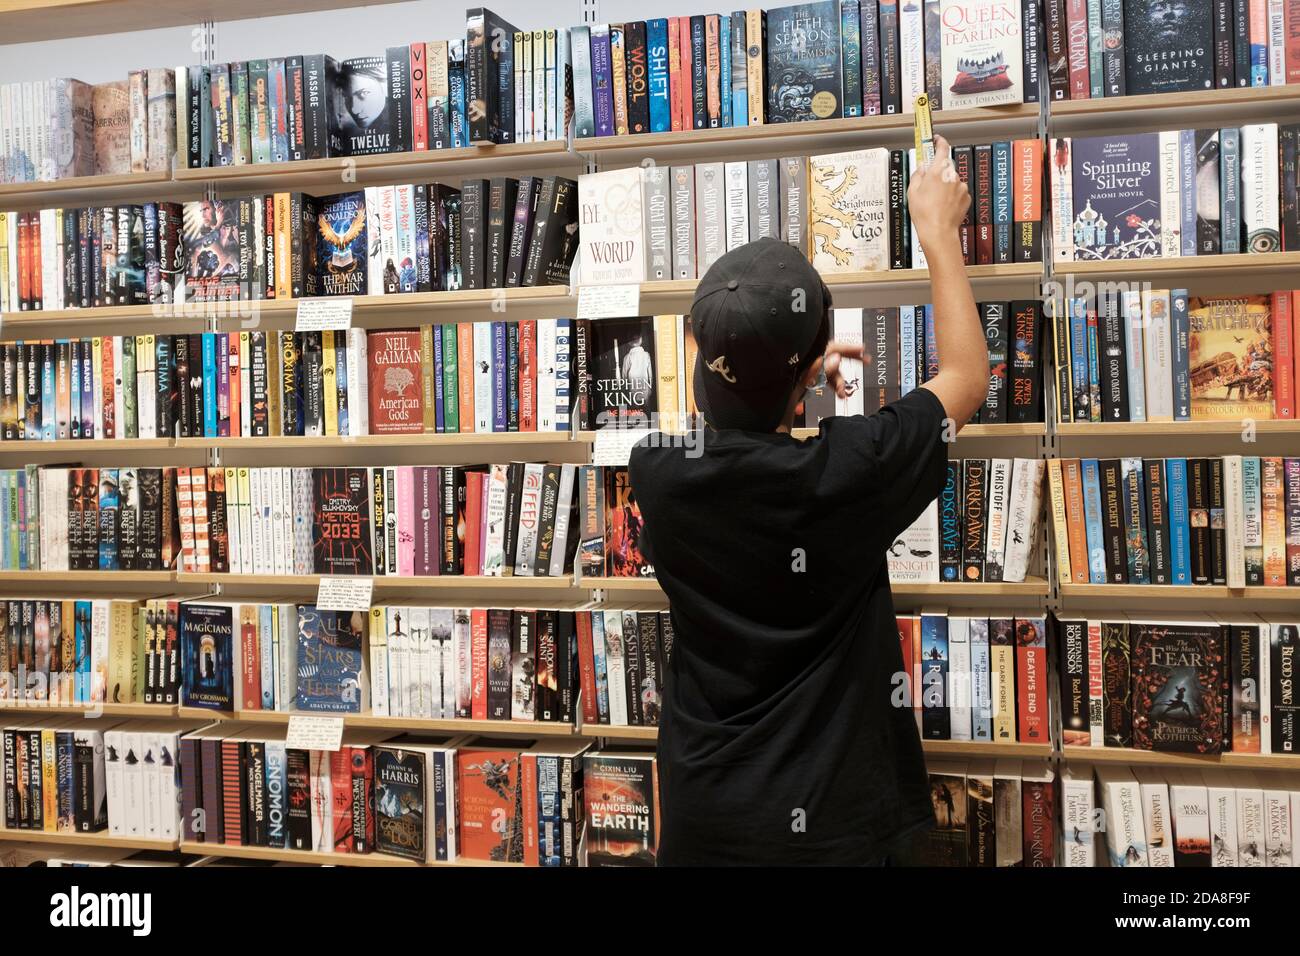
point(341, 246)
point(804, 76)
point(1231, 357)
point(982, 55)
point(341, 539)
point(611, 227)
point(848, 211)
point(330, 654)
point(1116, 187)
point(1168, 46)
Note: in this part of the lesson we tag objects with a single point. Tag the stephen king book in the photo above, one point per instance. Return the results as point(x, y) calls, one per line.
point(1168, 47)
point(623, 526)
point(1178, 685)
point(1116, 185)
point(396, 374)
point(1231, 358)
point(341, 244)
point(207, 655)
point(982, 55)
point(341, 541)
point(804, 78)
point(625, 381)
point(331, 675)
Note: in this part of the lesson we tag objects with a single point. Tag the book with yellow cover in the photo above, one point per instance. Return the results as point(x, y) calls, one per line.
point(1231, 358)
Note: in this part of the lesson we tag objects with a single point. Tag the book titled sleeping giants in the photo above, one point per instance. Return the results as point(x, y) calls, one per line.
point(1168, 47)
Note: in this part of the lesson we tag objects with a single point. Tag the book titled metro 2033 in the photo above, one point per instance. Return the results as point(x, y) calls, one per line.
point(341, 526)
point(804, 78)
point(341, 244)
point(1178, 687)
point(330, 661)
point(1116, 185)
point(983, 59)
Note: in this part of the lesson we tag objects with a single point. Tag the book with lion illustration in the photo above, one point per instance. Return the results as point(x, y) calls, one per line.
point(1231, 358)
point(848, 211)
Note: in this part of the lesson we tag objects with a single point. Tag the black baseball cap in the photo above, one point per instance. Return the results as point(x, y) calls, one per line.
point(757, 312)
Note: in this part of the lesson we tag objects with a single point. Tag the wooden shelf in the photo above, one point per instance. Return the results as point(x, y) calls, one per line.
point(80, 190)
point(1226, 275)
point(1181, 592)
point(155, 711)
point(1190, 429)
point(1016, 430)
point(1127, 755)
point(650, 734)
point(325, 176)
point(972, 748)
point(1172, 110)
point(1030, 587)
point(26, 21)
point(137, 316)
point(513, 728)
point(319, 858)
point(86, 577)
point(99, 838)
point(447, 582)
point(422, 440)
point(819, 136)
point(73, 446)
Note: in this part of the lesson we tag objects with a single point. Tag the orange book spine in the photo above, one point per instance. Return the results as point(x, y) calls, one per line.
point(1073, 486)
point(684, 72)
point(1284, 383)
point(712, 68)
point(528, 779)
point(675, 73)
point(478, 639)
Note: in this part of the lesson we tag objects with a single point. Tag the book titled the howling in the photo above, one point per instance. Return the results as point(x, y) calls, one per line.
point(341, 539)
point(804, 77)
point(329, 670)
point(982, 55)
point(1116, 185)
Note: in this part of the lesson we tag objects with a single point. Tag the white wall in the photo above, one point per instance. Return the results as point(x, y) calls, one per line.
point(340, 33)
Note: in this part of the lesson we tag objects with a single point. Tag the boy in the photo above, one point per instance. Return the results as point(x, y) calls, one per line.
point(781, 741)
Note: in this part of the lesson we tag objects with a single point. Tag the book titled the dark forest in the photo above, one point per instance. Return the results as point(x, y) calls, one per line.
point(1168, 46)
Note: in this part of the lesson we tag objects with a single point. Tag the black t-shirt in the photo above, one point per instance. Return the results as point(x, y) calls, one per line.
point(779, 742)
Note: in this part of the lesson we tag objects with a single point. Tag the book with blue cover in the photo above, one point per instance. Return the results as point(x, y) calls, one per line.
point(804, 73)
point(602, 80)
point(207, 634)
point(1135, 522)
point(1079, 379)
point(341, 244)
point(1180, 531)
point(1092, 515)
point(935, 719)
point(656, 32)
point(330, 661)
point(1116, 189)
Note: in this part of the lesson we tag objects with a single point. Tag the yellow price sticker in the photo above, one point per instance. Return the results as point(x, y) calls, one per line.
point(924, 129)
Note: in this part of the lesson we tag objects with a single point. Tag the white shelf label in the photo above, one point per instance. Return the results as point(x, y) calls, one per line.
point(345, 594)
point(314, 732)
point(613, 445)
point(609, 301)
point(324, 315)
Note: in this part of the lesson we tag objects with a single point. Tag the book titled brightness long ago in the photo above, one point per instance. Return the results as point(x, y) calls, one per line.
point(982, 55)
point(849, 211)
point(1231, 358)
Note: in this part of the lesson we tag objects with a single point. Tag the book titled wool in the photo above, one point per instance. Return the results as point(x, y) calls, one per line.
point(1168, 47)
point(1231, 358)
point(982, 53)
point(848, 211)
point(341, 245)
point(804, 78)
point(1116, 189)
point(611, 227)
point(330, 674)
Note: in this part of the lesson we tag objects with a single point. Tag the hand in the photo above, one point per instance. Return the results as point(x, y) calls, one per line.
point(937, 199)
point(836, 352)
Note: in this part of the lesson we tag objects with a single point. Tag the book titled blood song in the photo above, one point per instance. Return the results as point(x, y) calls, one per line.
point(341, 540)
point(395, 379)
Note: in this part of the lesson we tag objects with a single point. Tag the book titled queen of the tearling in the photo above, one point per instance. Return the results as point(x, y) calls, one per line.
point(983, 58)
point(1117, 197)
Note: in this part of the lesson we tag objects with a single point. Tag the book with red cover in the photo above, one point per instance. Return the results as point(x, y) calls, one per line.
point(528, 770)
point(586, 668)
point(1031, 680)
point(488, 781)
point(1076, 33)
point(232, 794)
point(341, 787)
point(1038, 815)
point(395, 381)
point(1284, 369)
point(478, 642)
point(675, 73)
point(418, 85)
point(473, 524)
point(528, 375)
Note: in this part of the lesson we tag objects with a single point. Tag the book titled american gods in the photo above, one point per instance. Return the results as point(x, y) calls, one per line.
point(1116, 185)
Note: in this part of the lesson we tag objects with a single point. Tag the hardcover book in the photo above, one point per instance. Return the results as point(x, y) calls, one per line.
point(395, 378)
point(611, 227)
point(982, 55)
point(1116, 188)
point(804, 78)
point(362, 116)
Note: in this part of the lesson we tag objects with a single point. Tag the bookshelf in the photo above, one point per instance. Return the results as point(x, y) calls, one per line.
point(39, 708)
point(1181, 430)
point(1256, 272)
point(385, 583)
point(1171, 110)
point(100, 838)
point(468, 440)
point(1125, 755)
point(1030, 588)
point(1260, 597)
point(513, 728)
point(318, 858)
point(116, 578)
point(84, 190)
point(75, 446)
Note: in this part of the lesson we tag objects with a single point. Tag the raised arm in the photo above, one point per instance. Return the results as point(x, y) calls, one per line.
point(937, 201)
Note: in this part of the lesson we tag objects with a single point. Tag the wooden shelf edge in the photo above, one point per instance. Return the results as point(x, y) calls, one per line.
point(99, 838)
point(1232, 265)
point(1169, 102)
point(63, 445)
point(974, 748)
point(36, 708)
point(449, 582)
point(413, 440)
point(1193, 428)
point(1031, 587)
point(1125, 755)
point(514, 728)
point(321, 858)
point(67, 577)
point(1180, 592)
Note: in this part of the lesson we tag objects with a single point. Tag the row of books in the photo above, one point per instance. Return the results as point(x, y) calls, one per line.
point(989, 813)
point(1132, 47)
point(1160, 355)
point(1209, 684)
point(61, 128)
point(976, 675)
point(64, 651)
point(485, 377)
point(846, 211)
point(982, 527)
point(1191, 192)
point(1232, 520)
point(383, 240)
point(1177, 817)
point(900, 355)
